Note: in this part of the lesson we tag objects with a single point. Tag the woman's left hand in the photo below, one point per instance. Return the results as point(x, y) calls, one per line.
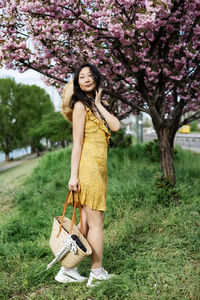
point(98, 97)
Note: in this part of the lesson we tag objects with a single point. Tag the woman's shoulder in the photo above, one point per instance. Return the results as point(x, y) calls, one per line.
point(79, 106)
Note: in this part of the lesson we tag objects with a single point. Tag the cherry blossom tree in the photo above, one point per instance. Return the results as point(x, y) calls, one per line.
point(147, 51)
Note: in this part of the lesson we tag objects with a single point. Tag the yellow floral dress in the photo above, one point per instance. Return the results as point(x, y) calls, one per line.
point(93, 163)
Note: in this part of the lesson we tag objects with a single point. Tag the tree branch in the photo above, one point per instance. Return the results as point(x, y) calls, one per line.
point(30, 66)
point(177, 113)
point(123, 9)
point(123, 59)
point(118, 96)
point(124, 116)
point(140, 87)
point(162, 28)
point(84, 21)
point(190, 119)
point(191, 29)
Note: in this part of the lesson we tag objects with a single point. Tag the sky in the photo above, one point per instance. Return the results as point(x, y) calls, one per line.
point(31, 77)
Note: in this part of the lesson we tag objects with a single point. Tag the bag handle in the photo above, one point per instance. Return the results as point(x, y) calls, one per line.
point(74, 214)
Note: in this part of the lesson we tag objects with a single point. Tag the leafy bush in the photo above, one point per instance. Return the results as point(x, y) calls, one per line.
point(164, 191)
point(194, 126)
point(40, 147)
point(120, 139)
point(153, 151)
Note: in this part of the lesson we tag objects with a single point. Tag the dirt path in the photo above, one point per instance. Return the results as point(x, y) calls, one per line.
point(11, 178)
point(15, 163)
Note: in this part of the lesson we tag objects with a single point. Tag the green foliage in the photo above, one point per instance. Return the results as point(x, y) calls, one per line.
point(165, 192)
point(153, 150)
point(194, 126)
point(152, 248)
point(53, 127)
point(12, 118)
point(21, 107)
point(120, 139)
point(40, 147)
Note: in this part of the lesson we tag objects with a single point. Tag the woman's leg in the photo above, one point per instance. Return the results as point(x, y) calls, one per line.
point(95, 220)
point(85, 225)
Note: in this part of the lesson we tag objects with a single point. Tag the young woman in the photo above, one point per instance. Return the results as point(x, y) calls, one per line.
point(91, 118)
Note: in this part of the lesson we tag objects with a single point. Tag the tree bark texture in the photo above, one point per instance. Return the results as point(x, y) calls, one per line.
point(166, 154)
point(33, 149)
point(63, 143)
point(7, 157)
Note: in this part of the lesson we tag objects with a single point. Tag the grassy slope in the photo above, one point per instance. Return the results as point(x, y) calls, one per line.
point(153, 249)
point(10, 180)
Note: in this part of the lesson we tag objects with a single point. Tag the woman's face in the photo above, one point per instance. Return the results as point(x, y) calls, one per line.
point(86, 81)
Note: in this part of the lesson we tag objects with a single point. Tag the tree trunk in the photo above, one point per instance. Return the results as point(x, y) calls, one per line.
point(166, 153)
point(7, 158)
point(33, 149)
point(63, 143)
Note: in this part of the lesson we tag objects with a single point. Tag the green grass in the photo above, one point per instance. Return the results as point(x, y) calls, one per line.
point(152, 248)
point(10, 181)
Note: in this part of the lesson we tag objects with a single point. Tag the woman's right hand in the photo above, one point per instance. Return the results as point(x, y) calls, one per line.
point(74, 184)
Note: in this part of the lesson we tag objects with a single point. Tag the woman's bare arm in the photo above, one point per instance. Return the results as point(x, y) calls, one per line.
point(79, 114)
point(112, 121)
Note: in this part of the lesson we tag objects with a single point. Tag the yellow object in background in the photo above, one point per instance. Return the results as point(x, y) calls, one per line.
point(184, 129)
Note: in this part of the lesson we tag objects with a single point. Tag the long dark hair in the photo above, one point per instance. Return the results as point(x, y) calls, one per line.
point(80, 95)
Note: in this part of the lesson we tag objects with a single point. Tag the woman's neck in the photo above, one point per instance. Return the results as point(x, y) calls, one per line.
point(90, 95)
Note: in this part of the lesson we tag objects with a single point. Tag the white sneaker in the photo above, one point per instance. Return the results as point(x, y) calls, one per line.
point(96, 279)
point(69, 276)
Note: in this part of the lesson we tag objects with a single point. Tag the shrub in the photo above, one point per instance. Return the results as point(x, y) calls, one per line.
point(164, 191)
point(41, 147)
point(194, 126)
point(120, 139)
point(153, 151)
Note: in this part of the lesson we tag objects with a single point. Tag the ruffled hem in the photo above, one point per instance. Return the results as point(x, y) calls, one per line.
point(100, 123)
point(89, 199)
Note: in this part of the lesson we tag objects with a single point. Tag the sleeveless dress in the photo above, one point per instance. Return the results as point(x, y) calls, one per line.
point(93, 164)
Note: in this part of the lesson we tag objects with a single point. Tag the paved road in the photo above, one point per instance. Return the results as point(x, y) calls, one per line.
point(197, 150)
point(190, 141)
point(12, 164)
point(190, 135)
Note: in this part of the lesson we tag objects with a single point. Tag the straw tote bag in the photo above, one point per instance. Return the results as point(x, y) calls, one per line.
point(67, 243)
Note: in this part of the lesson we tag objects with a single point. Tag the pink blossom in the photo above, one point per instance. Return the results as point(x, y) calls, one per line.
point(150, 36)
point(133, 42)
point(176, 77)
point(169, 28)
point(167, 72)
